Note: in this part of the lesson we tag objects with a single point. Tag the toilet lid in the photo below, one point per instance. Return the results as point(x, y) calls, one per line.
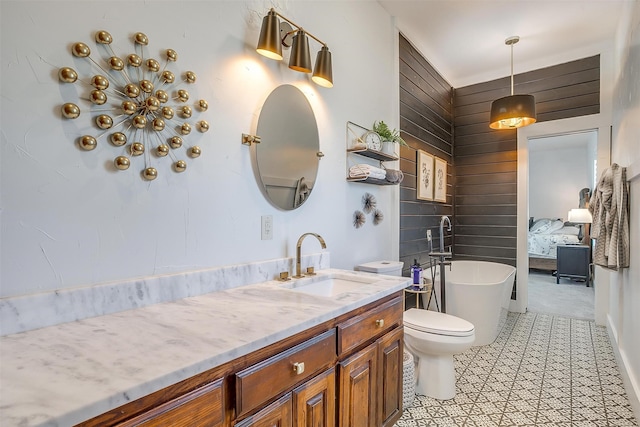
point(437, 323)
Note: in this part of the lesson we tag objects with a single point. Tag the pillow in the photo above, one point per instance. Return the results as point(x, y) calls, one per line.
point(538, 223)
point(548, 226)
point(569, 230)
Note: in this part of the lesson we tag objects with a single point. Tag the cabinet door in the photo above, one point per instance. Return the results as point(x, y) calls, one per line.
point(201, 407)
point(278, 414)
point(314, 402)
point(358, 376)
point(390, 352)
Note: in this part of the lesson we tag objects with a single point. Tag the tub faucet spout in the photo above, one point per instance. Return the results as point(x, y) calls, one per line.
point(298, 251)
point(442, 221)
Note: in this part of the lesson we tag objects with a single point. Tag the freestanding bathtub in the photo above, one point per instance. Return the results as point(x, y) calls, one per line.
point(479, 292)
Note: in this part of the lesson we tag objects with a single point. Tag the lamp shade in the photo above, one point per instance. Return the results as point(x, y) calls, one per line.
point(300, 59)
point(580, 216)
point(513, 111)
point(269, 43)
point(323, 71)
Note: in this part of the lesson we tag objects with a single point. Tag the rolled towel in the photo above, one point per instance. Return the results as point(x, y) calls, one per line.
point(365, 170)
point(358, 145)
point(395, 176)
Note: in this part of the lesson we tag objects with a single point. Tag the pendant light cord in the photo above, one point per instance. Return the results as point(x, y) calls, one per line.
point(511, 69)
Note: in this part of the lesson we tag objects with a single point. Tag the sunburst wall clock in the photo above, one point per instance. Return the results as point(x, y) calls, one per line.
point(137, 104)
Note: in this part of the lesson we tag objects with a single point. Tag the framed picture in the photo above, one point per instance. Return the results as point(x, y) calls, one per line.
point(440, 181)
point(424, 176)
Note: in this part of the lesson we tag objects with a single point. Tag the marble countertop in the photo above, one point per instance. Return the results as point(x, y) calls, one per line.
point(65, 374)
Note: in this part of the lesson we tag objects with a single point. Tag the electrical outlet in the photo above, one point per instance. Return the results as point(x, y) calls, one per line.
point(267, 227)
point(428, 235)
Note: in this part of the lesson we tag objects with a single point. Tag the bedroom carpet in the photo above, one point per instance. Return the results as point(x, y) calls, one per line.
point(568, 298)
point(542, 370)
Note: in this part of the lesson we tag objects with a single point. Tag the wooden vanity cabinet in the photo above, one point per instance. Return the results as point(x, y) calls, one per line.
point(345, 372)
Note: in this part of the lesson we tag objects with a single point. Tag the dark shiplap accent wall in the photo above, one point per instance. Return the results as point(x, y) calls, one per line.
point(426, 123)
point(486, 160)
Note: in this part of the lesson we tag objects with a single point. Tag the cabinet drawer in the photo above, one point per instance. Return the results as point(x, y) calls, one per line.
point(369, 325)
point(203, 406)
point(263, 381)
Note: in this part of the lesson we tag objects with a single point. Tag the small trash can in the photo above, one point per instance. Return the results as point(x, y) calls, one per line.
point(408, 380)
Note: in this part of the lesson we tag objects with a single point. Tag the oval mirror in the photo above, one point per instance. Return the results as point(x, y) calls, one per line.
point(287, 156)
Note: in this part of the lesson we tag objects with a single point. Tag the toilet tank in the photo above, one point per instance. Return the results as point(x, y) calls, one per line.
point(390, 268)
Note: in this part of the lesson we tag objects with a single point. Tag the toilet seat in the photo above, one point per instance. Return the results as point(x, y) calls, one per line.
point(437, 323)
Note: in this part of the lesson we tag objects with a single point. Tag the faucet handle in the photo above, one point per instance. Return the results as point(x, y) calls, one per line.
point(284, 276)
point(311, 271)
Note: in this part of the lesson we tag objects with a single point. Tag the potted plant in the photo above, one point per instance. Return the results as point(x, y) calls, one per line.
point(389, 136)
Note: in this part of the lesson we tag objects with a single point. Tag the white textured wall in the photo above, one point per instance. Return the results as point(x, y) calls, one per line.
point(68, 220)
point(624, 309)
point(555, 179)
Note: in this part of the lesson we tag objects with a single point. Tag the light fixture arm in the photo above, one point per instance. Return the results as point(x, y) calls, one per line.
point(298, 27)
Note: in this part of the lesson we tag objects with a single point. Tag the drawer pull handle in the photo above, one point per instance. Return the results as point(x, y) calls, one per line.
point(380, 323)
point(298, 368)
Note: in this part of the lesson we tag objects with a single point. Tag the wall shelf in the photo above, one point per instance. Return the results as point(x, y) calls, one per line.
point(369, 180)
point(372, 154)
point(379, 156)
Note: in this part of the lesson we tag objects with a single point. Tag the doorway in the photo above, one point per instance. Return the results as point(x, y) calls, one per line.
point(594, 122)
point(560, 167)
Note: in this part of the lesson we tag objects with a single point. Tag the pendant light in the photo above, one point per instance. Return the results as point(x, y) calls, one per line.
point(513, 111)
point(269, 43)
point(275, 34)
point(322, 73)
point(300, 59)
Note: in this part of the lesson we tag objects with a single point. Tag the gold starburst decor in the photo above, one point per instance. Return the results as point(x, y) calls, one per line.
point(137, 104)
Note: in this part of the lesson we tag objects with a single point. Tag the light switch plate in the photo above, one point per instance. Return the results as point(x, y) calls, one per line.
point(267, 227)
point(428, 235)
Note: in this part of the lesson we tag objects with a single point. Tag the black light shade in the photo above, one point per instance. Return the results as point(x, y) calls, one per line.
point(270, 44)
point(513, 111)
point(323, 71)
point(300, 59)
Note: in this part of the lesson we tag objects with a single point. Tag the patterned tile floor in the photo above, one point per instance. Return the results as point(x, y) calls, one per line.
point(542, 370)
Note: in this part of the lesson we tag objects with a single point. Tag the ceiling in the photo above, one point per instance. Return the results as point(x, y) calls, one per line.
point(464, 39)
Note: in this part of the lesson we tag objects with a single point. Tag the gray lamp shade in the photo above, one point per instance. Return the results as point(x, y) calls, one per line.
point(300, 59)
point(269, 43)
point(323, 71)
point(513, 111)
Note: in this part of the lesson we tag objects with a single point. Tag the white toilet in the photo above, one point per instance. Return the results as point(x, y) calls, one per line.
point(433, 338)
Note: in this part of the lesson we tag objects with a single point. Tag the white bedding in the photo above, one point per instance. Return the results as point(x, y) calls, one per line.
point(546, 234)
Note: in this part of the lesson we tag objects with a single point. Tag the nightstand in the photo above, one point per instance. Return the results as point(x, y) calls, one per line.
point(574, 262)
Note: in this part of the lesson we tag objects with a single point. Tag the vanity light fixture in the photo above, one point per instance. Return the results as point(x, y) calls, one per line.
point(275, 34)
point(513, 111)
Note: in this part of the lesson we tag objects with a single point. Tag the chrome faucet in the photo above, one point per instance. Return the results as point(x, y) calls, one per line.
point(299, 246)
point(442, 221)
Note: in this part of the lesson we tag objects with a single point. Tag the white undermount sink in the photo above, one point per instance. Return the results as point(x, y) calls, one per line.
point(329, 285)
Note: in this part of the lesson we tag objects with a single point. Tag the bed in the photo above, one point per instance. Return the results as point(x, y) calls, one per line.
point(545, 234)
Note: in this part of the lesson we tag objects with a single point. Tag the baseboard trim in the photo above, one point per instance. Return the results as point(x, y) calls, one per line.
point(631, 385)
